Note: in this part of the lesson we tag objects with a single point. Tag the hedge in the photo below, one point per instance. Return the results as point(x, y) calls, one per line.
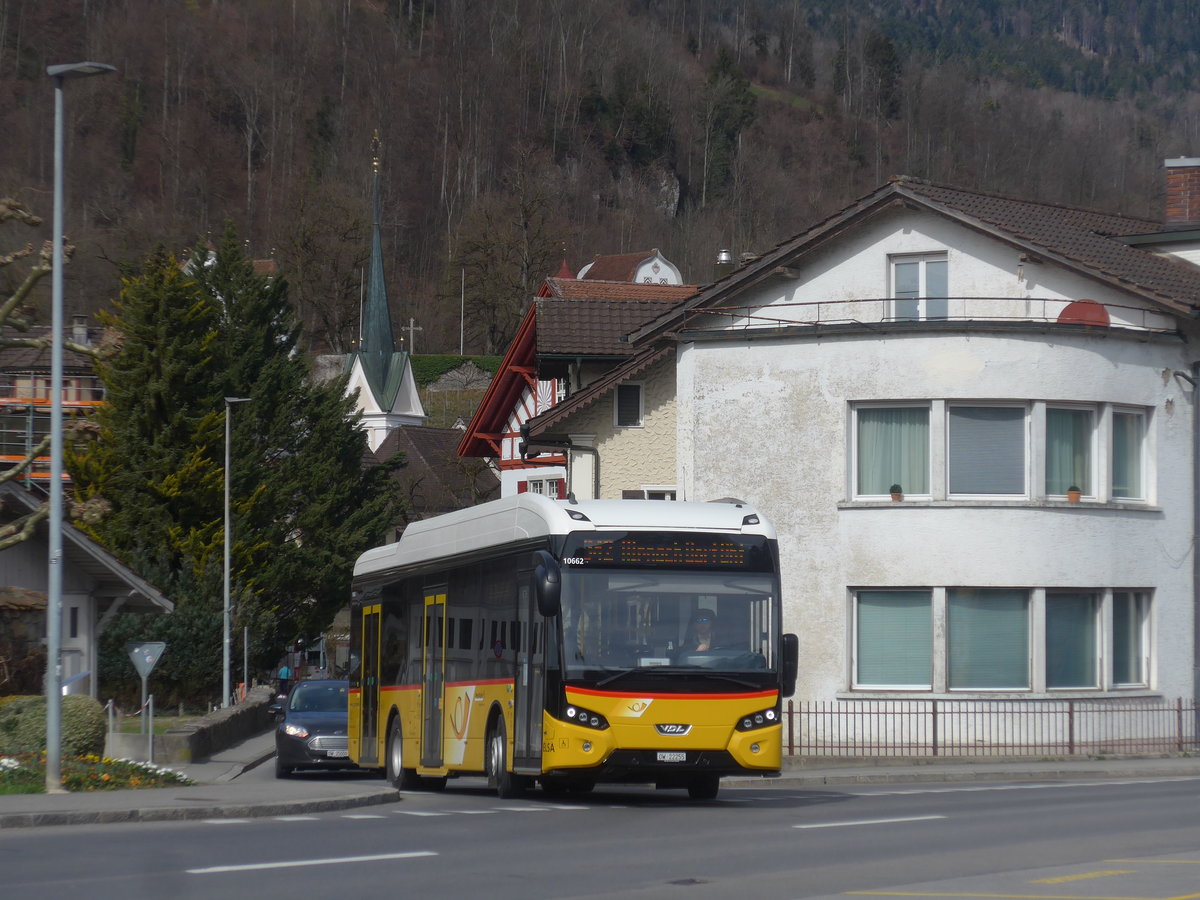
point(23, 725)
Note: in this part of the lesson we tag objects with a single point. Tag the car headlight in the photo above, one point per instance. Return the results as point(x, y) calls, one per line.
point(295, 730)
point(761, 719)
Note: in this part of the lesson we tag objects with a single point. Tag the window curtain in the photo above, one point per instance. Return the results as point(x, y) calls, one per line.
point(987, 450)
point(988, 639)
point(1068, 450)
point(1129, 614)
point(1070, 641)
point(1127, 455)
point(893, 448)
point(894, 640)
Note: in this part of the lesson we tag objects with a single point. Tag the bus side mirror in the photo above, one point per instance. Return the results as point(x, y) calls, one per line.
point(547, 584)
point(791, 664)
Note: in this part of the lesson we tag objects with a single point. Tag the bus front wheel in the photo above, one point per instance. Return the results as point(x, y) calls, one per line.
point(402, 779)
point(505, 782)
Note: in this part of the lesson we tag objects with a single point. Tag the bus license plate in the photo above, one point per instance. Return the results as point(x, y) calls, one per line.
point(672, 756)
point(337, 754)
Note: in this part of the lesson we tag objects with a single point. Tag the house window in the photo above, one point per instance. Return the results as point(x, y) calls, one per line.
point(1128, 433)
point(986, 449)
point(555, 488)
point(1069, 450)
point(919, 287)
point(629, 405)
point(988, 639)
point(892, 446)
point(893, 643)
point(1130, 611)
point(1071, 645)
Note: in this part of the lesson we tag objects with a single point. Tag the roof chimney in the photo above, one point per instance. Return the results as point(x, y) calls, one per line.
point(724, 264)
point(1183, 192)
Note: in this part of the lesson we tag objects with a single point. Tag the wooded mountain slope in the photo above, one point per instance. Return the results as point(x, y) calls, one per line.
point(514, 133)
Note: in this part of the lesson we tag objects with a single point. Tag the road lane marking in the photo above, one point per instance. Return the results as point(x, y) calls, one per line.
point(333, 861)
point(957, 895)
point(296, 819)
point(1083, 876)
point(869, 822)
point(418, 812)
point(362, 816)
point(1040, 786)
point(225, 821)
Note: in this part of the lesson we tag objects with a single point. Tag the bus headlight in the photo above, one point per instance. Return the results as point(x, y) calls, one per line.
point(761, 719)
point(585, 717)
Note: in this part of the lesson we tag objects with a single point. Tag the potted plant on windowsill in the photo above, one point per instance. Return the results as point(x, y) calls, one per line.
point(897, 492)
point(1073, 494)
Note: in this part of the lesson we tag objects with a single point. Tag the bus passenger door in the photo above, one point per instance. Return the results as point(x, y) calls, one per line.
point(531, 676)
point(368, 751)
point(433, 688)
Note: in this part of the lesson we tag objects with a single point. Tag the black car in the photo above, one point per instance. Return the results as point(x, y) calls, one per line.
point(311, 733)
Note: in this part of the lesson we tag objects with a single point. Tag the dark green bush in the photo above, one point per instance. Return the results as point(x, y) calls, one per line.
point(23, 725)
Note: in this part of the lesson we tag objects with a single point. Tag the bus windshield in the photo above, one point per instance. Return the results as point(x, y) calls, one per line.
point(626, 619)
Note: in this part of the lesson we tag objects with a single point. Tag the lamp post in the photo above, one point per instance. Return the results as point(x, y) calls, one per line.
point(60, 74)
point(226, 639)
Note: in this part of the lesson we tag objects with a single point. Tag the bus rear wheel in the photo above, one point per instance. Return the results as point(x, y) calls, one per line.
point(505, 782)
point(704, 787)
point(401, 778)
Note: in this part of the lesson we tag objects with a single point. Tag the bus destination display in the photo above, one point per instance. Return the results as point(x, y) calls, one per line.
point(658, 549)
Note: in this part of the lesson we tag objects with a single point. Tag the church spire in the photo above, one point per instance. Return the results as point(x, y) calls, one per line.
point(378, 345)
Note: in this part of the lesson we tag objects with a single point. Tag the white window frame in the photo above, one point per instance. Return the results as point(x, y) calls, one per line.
point(1096, 602)
point(641, 416)
point(854, 452)
point(941, 305)
point(1095, 411)
point(1026, 453)
point(1144, 600)
point(855, 657)
point(1143, 417)
point(659, 491)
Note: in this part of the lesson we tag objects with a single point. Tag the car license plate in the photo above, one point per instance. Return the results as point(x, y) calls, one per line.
point(672, 756)
point(337, 754)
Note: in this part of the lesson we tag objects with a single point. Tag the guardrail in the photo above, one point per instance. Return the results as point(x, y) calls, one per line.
point(916, 728)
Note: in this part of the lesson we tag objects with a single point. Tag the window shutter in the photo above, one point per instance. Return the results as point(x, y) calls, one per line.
point(522, 487)
point(562, 488)
point(987, 450)
point(633, 495)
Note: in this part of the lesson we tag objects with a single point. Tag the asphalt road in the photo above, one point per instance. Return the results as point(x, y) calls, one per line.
point(1134, 839)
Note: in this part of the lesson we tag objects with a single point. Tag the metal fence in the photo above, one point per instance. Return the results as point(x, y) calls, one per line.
point(990, 728)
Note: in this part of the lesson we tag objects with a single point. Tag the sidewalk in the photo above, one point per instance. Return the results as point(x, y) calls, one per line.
point(217, 793)
point(220, 793)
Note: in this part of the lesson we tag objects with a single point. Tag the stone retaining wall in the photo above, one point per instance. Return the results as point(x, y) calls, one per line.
point(201, 738)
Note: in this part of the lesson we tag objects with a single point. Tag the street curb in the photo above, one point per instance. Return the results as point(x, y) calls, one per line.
point(943, 777)
point(181, 813)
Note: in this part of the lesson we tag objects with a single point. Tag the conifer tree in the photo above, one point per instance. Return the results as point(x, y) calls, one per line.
point(303, 506)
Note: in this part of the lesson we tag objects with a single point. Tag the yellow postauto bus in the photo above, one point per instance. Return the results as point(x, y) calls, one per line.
point(563, 643)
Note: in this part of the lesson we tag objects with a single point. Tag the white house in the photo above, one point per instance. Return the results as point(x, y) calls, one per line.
point(983, 355)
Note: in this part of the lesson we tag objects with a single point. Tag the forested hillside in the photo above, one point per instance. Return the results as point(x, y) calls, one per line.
point(513, 133)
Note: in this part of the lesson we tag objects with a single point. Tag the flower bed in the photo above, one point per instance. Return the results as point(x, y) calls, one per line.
point(25, 773)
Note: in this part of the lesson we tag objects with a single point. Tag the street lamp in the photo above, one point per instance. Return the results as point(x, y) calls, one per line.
point(60, 74)
point(226, 639)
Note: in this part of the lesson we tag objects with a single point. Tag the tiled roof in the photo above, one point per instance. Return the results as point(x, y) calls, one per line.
point(592, 327)
point(437, 479)
point(630, 368)
point(1084, 237)
point(588, 289)
point(1085, 241)
point(33, 359)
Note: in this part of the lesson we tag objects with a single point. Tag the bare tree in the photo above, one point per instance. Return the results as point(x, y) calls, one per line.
point(20, 271)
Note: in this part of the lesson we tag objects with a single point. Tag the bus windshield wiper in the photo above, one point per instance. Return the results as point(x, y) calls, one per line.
point(677, 670)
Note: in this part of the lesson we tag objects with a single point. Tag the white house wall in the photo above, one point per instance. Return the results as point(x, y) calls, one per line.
point(769, 420)
point(856, 268)
point(789, 456)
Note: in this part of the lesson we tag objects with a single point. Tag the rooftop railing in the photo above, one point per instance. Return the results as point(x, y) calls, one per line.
point(873, 312)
